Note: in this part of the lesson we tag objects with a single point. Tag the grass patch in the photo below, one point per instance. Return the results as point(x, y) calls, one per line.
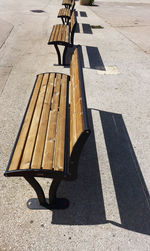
point(97, 27)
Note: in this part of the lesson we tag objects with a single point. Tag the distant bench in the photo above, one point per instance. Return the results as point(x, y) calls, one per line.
point(65, 13)
point(63, 34)
point(53, 132)
point(67, 3)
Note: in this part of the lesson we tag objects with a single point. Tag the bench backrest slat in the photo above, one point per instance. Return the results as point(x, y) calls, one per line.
point(72, 6)
point(79, 130)
point(73, 26)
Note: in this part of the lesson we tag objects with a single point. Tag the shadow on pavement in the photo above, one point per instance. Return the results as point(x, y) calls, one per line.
point(83, 14)
point(86, 28)
point(132, 194)
point(85, 194)
point(94, 58)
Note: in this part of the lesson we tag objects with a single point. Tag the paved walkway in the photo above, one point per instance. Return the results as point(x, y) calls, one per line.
point(110, 205)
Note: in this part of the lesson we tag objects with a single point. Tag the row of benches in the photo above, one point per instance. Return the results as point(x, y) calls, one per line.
point(54, 128)
point(63, 34)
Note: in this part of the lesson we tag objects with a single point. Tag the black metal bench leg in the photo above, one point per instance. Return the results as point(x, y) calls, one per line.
point(53, 189)
point(58, 53)
point(38, 189)
point(62, 20)
point(64, 54)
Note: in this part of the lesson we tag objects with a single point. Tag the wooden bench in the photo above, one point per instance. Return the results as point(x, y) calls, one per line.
point(63, 34)
point(65, 13)
point(67, 3)
point(53, 132)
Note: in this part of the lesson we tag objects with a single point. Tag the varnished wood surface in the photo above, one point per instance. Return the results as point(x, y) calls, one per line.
point(77, 125)
point(41, 144)
point(66, 2)
point(73, 20)
point(60, 32)
point(64, 12)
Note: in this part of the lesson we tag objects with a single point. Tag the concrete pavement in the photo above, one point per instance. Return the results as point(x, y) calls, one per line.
point(109, 203)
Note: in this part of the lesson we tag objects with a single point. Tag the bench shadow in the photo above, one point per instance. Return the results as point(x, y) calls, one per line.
point(94, 58)
point(131, 191)
point(85, 194)
point(93, 54)
point(83, 14)
point(83, 28)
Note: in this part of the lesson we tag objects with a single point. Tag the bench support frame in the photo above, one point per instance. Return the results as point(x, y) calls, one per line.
point(40, 193)
point(58, 53)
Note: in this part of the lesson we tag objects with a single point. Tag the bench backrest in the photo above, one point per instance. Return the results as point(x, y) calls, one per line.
point(72, 6)
point(73, 26)
point(79, 129)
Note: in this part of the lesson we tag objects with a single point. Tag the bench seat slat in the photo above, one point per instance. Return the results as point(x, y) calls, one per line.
point(40, 142)
point(64, 12)
point(29, 147)
point(60, 140)
point(53, 33)
point(15, 162)
point(56, 32)
point(51, 134)
point(50, 142)
point(66, 2)
point(60, 33)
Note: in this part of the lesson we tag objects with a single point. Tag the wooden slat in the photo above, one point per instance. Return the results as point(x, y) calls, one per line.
point(51, 133)
point(64, 12)
point(72, 103)
point(29, 147)
point(61, 29)
point(77, 125)
point(40, 142)
point(50, 142)
point(67, 34)
point(60, 12)
point(60, 140)
point(66, 2)
point(53, 33)
point(72, 4)
point(25, 129)
point(57, 32)
point(73, 21)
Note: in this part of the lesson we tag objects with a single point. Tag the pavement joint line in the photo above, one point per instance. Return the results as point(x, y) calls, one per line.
point(7, 37)
point(131, 41)
point(6, 81)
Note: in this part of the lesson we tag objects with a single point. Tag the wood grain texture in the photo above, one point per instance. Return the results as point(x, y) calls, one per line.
point(40, 141)
point(25, 128)
point(60, 140)
point(64, 12)
point(53, 33)
point(30, 143)
point(73, 20)
point(51, 133)
point(66, 2)
point(77, 125)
